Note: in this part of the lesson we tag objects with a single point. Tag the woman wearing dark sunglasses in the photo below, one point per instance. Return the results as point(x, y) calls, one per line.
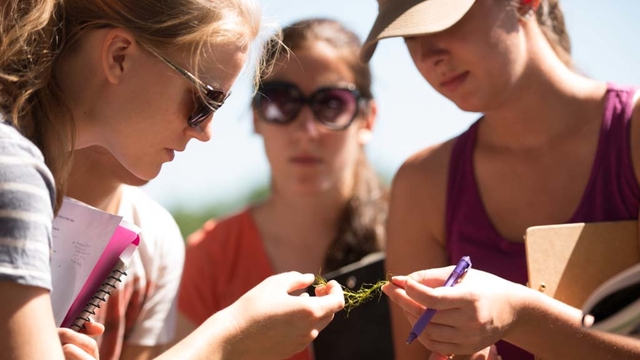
point(327, 207)
point(141, 79)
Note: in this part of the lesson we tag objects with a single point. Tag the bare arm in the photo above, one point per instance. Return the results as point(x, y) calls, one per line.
point(415, 231)
point(265, 323)
point(27, 330)
point(184, 327)
point(138, 352)
point(552, 330)
point(485, 308)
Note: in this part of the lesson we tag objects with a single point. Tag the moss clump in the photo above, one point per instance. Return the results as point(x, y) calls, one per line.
point(353, 299)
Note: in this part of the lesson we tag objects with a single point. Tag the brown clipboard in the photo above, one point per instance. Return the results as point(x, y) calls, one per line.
point(569, 261)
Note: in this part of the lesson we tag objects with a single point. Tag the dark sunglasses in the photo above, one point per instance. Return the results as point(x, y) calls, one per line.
point(280, 103)
point(208, 102)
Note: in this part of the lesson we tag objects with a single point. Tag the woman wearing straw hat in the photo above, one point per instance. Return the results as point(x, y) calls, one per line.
point(551, 147)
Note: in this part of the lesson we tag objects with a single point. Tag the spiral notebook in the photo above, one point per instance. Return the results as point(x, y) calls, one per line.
point(91, 252)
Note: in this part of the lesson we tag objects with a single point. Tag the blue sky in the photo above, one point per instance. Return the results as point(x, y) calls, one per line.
point(412, 116)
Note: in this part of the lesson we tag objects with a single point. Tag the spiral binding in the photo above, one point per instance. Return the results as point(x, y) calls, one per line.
point(100, 296)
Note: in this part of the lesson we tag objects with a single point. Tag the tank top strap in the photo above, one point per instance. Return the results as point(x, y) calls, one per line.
point(613, 189)
point(461, 174)
point(617, 121)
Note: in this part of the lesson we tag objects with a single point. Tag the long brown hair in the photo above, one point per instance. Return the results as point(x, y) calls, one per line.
point(29, 99)
point(360, 228)
point(36, 34)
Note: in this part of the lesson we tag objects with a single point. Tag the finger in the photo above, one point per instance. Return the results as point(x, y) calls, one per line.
point(82, 341)
point(493, 350)
point(92, 328)
point(399, 280)
point(441, 333)
point(292, 280)
point(304, 294)
point(72, 352)
point(324, 322)
point(321, 290)
point(412, 318)
point(435, 277)
point(333, 299)
point(439, 298)
point(493, 353)
point(332, 287)
point(400, 297)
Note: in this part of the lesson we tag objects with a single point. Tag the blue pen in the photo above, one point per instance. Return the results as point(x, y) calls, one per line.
point(463, 266)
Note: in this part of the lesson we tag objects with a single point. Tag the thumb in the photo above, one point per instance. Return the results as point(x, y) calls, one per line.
point(92, 328)
point(432, 277)
point(293, 280)
point(330, 298)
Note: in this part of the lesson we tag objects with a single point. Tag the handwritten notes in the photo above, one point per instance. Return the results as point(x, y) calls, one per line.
point(80, 236)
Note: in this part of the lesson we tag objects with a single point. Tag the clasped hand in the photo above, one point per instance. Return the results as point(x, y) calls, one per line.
point(471, 316)
point(80, 345)
point(269, 323)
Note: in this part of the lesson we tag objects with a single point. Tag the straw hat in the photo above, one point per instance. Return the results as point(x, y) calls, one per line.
point(412, 17)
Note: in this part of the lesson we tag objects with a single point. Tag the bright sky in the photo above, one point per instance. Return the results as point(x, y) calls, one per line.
point(412, 115)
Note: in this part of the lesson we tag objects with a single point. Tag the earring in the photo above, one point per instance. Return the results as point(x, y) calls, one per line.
point(530, 6)
point(527, 15)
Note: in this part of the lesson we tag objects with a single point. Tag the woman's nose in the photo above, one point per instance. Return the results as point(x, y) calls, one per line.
point(306, 123)
point(203, 131)
point(431, 49)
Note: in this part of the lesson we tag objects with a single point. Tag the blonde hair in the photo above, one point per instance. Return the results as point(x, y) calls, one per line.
point(35, 34)
point(551, 20)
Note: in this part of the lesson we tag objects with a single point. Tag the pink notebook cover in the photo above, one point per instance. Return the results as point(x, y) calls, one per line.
point(121, 238)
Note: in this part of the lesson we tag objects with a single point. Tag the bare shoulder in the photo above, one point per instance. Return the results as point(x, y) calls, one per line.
point(426, 170)
point(418, 195)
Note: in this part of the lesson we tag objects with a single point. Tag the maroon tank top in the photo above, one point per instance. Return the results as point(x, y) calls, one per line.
point(612, 194)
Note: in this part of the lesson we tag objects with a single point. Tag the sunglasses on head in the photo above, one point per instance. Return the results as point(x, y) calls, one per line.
point(208, 102)
point(334, 107)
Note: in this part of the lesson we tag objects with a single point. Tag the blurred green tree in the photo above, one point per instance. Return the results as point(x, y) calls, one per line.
point(190, 219)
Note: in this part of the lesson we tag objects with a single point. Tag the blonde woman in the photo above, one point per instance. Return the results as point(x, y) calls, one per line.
point(140, 79)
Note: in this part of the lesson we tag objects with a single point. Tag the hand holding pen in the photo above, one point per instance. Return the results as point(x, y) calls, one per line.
point(458, 272)
point(471, 316)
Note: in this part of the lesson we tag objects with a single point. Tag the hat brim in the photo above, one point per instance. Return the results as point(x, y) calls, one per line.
point(413, 17)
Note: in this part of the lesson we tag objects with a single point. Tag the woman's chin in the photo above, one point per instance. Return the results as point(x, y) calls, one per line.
point(144, 174)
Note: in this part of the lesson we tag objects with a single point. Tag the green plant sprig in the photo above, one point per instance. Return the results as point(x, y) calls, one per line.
point(353, 299)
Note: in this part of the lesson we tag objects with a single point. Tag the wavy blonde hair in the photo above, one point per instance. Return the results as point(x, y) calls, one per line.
point(35, 34)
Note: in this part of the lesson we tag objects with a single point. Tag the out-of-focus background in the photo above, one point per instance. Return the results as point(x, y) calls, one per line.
point(215, 178)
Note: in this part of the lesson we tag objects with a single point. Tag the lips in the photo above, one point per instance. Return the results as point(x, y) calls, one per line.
point(453, 82)
point(305, 160)
point(171, 153)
